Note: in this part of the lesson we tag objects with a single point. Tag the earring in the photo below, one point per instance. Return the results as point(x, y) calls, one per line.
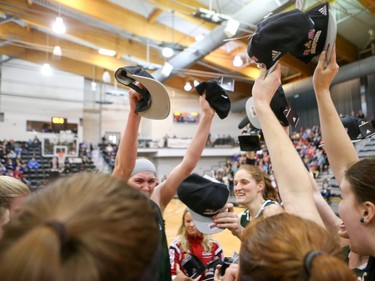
point(362, 220)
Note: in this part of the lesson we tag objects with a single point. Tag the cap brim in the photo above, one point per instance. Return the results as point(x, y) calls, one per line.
point(160, 103)
point(331, 35)
point(251, 113)
point(204, 224)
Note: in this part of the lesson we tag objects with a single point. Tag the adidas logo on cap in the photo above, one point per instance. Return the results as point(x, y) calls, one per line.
point(275, 55)
point(323, 10)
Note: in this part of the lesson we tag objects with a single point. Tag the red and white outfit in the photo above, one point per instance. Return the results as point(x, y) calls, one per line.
point(176, 255)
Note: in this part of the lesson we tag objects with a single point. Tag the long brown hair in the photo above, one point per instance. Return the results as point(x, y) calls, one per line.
point(274, 249)
point(106, 231)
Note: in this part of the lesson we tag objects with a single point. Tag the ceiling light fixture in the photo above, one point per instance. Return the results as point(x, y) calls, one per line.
point(106, 77)
point(188, 87)
point(46, 69)
point(107, 52)
point(59, 26)
point(237, 61)
point(167, 52)
point(57, 51)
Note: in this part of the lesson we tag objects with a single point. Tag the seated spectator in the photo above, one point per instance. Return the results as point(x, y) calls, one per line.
point(33, 164)
point(326, 190)
point(3, 170)
point(9, 165)
point(59, 227)
point(190, 241)
point(17, 173)
point(11, 154)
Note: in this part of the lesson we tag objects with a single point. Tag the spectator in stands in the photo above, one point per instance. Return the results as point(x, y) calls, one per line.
point(190, 241)
point(355, 177)
point(14, 193)
point(141, 173)
point(17, 173)
point(9, 165)
point(360, 115)
point(59, 227)
point(33, 164)
point(326, 190)
point(3, 169)
point(11, 155)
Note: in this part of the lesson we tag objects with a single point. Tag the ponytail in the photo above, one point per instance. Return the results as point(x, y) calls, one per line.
point(321, 269)
point(35, 256)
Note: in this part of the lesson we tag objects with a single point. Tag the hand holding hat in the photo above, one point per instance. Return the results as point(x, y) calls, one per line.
point(216, 97)
point(277, 101)
point(155, 103)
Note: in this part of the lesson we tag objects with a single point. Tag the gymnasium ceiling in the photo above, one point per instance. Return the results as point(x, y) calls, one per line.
point(137, 30)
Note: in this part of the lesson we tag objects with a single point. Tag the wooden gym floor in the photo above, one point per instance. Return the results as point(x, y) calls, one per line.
point(173, 217)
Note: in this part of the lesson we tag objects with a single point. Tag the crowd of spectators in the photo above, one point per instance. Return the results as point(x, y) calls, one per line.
point(11, 161)
point(16, 161)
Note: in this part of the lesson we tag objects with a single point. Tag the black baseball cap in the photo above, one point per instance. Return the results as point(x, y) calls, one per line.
point(205, 197)
point(155, 102)
point(302, 34)
point(216, 96)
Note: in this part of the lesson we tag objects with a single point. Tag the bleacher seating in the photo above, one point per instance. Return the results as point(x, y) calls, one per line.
point(37, 178)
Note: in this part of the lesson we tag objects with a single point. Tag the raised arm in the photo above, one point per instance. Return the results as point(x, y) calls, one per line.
point(293, 180)
point(127, 151)
point(340, 151)
point(165, 191)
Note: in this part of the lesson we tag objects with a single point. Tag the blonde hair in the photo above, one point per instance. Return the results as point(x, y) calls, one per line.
point(82, 227)
point(207, 245)
point(12, 188)
point(275, 248)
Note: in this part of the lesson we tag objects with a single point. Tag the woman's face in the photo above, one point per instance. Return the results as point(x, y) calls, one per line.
point(350, 215)
point(246, 189)
point(190, 226)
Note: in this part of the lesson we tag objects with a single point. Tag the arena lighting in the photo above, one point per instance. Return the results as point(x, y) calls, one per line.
point(188, 87)
point(106, 52)
point(106, 77)
point(167, 52)
point(46, 70)
point(237, 61)
point(57, 51)
point(59, 26)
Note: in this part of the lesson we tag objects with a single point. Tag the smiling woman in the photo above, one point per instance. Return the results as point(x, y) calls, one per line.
point(192, 250)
